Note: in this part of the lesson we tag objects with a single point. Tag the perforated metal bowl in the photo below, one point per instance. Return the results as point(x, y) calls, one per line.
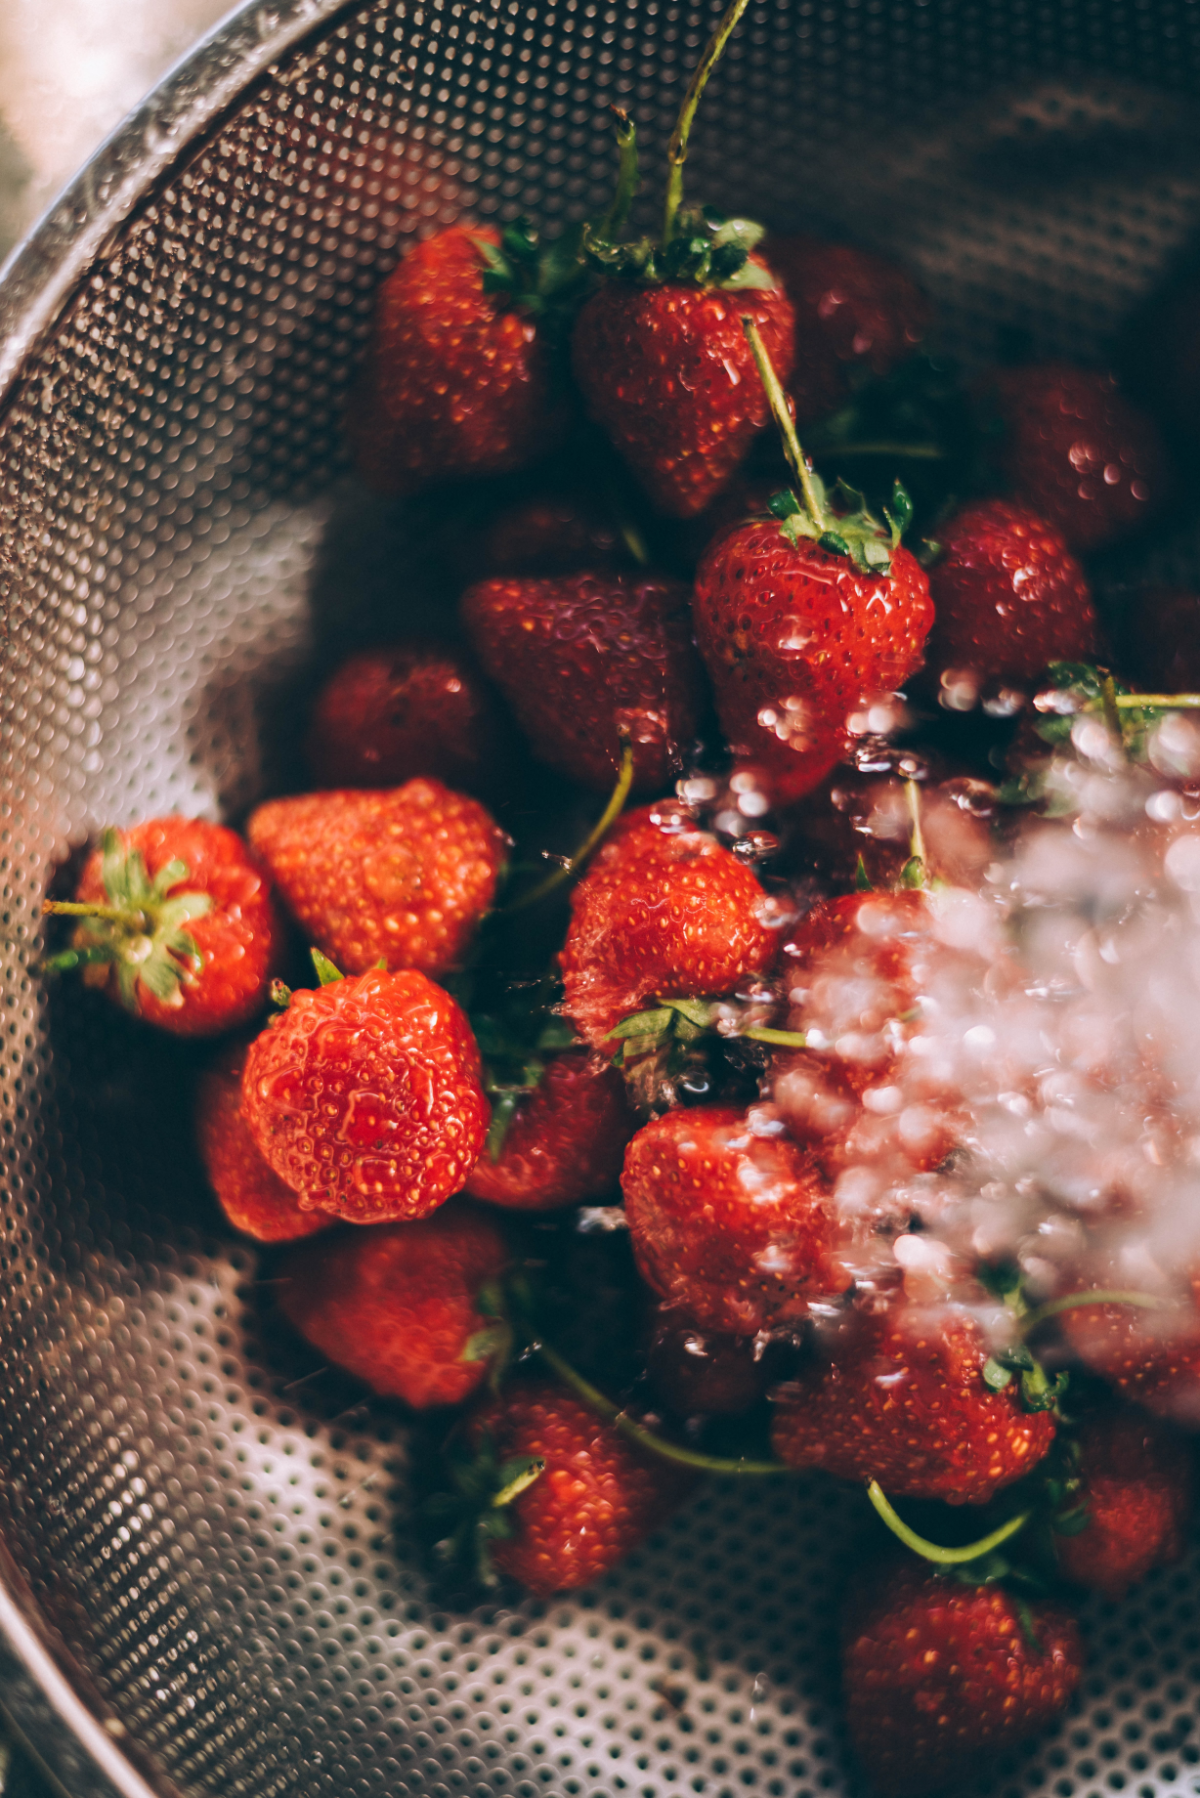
point(206, 1577)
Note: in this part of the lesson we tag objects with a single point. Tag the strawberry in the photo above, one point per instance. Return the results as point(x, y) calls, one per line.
point(1075, 449)
point(729, 1223)
point(1138, 1482)
point(565, 1141)
point(402, 875)
point(1151, 1357)
point(401, 1306)
point(939, 1676)
point(1008, 595)
point(416, 708)
point(365, 1097)
point(177, 923)
point(855, 313)
point(587, 661)
point(702, 1372)
point(663, 911)
point(901, 1398)
point(596, 1500)
point(458, 379)
point(248, 1190)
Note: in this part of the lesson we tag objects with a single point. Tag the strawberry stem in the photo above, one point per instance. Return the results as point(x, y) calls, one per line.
point(933, 1551)
point(115, 914)
point(784, 1039)
point(677, 149)
point(782, 414)
point(1075, 1301)
point(603, 825)
point(1179, 702)
point(627, 177)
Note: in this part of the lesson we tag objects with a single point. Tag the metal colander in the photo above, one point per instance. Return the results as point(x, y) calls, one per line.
point(207, 1583)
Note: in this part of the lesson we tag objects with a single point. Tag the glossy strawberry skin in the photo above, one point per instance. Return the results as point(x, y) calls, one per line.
point(566, 1141)
point(404, 874)
point(854, 311)
point(662, 912)
point(456, 382)
point(390, 715)
point(1008, 595)
point(1138, 1488)
point(397, 1304)
point(901, 1399)
point(1077, 451)
point(598, 1498)
point(734, 1227)
point(667, 373)
point(586, 661)
point(939, 1677)
point(240, 940)
point(249, 1191)
point(794, 637)
point(1153, 1359)
point(365, 1097)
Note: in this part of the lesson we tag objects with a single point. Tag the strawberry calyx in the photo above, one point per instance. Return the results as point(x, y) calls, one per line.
point(473, 1512)
point(523, 271)
point(708, 250)
point(515, 1046)
point(140, 933)
point(1038, 1390)
point(663, 1049)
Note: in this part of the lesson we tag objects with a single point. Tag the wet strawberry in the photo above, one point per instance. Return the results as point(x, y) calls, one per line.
point(1138, 1486)
point(1008, 595)
point(855, 311)
point(900, 1398)
point(589, 661)
point(702, 1372)
point(186, 933)
point(566, 1140)
point(365, 1097)
point(398, 1305)
point(732, 1225)
point(248, 1190)
point(404, 874)
point(1151, 1357)
point(597, 1499)
point(939, 1676)
point(663, 912)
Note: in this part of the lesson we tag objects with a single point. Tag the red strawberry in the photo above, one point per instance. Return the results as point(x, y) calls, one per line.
point(1151, 1357)
point(249, 1191)
point(733, 1226)
point(365, 1097)
point(597, 1499)
point(665, 370)
point(940, 1676)
point(457, 380)
point(404, 875)
point(854, 311)
point(1138, 1487)
point(900, 1398)
point(1074, 448)
point(588, 660)
point(398, 1304)
point(702, 1372)
point(190, 935)
point(663, 912)
point(1009, 597)
point(565, 1142)
point(416, 708)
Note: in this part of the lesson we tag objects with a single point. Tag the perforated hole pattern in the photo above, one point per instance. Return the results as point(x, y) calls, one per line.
point(217, 1538)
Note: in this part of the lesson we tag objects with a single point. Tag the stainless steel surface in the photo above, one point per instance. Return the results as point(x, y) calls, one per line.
point(209, 1535)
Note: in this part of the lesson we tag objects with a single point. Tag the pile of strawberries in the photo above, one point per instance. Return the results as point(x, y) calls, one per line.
point(694, 1029)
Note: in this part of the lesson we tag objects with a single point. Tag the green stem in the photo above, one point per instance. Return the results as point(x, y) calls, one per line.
point(627, 177)
point(1075, 1301)
point(604, 824)
point(1181, 702)
point(786, 1039)
point(912, 793)
point(1112, 716)
point(933, 1551)
point(520, 1482)
point(677, 150)
point(782, 414)
point(118, 914)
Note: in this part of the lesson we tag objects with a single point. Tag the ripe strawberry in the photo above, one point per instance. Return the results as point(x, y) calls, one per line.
point(249, 1191)
point(389, 715)
point(1009, 597)
point(702, 1372)
point(365, 1097)
point(457, 380)
point(177, 923)
point(663, 911)
point(901, 1398)
point(1075, 449)
point(1151, 1357)
point(939, 1676)
point(588, 660)
point(855, 311)
point(733, 1226)
point(1138, 1488)
point(597, 1499)
point(404, 875)
point(565, 1142)
point(398, 1305)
